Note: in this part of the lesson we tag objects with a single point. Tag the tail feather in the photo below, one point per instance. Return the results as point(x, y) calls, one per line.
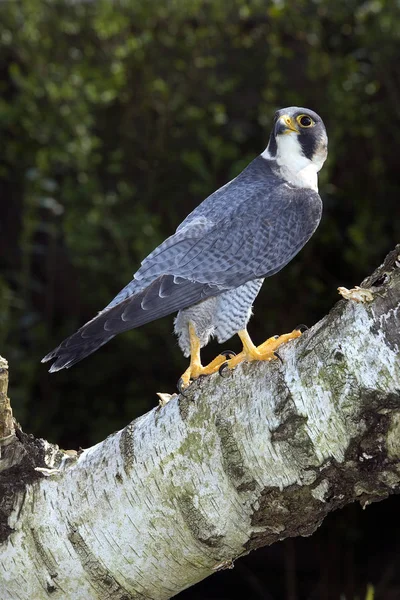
point(67, 357)
point(163, 296)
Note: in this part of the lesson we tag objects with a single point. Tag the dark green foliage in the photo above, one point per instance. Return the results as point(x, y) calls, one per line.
point(117, 118)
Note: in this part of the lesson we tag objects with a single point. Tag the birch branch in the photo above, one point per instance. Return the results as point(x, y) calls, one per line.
point(241, 462)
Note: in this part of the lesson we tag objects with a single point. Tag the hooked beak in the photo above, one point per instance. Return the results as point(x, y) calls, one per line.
point(285, 125)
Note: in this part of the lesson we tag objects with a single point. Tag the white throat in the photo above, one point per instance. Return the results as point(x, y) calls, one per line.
point(296, 168)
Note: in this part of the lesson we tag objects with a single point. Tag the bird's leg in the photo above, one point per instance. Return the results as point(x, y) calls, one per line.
point(195, 362)
point(195, 368)
point(265, 351)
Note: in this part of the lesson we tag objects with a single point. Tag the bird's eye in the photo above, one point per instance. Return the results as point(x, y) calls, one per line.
point(305, 121)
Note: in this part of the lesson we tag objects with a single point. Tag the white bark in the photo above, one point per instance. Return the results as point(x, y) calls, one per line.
point(241, 462)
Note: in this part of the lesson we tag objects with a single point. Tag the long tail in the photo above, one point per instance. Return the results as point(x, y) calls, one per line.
point(162, 297)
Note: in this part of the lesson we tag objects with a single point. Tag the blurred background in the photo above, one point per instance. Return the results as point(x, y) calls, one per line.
point(116, 120)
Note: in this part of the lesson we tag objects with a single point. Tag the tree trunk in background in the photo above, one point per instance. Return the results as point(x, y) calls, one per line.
point(241, 462)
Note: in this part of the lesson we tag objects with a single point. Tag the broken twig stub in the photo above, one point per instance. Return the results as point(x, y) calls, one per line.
point(7, 429)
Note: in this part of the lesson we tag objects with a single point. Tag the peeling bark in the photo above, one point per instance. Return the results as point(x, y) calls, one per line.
point(242, 461)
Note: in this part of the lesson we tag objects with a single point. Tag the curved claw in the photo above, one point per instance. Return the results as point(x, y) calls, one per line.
point(222, 368)
point(180, 387)
point(228, 353)
point(301, 328)
point(278, 356)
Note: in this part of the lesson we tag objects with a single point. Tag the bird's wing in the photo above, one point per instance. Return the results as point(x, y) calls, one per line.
point(256, 240)
point(202, 259)
point(197, 229)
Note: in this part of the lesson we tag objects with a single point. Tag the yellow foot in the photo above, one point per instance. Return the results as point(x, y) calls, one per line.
point(196, 369)
point(273, 343)
point(265, 351)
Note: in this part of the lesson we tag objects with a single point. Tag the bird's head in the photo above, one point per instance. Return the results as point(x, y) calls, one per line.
point(298, 140)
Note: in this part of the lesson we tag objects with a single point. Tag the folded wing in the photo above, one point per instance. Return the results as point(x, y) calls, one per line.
point(202, 259)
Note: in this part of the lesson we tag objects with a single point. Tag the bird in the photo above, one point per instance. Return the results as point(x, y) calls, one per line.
point(212, 268)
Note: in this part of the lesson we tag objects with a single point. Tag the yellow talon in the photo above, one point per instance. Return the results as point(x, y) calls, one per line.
point(265, 351)
point(195, 368)
point(250, 352)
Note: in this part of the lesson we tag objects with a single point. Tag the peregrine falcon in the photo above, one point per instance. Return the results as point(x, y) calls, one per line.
point(212, 268)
